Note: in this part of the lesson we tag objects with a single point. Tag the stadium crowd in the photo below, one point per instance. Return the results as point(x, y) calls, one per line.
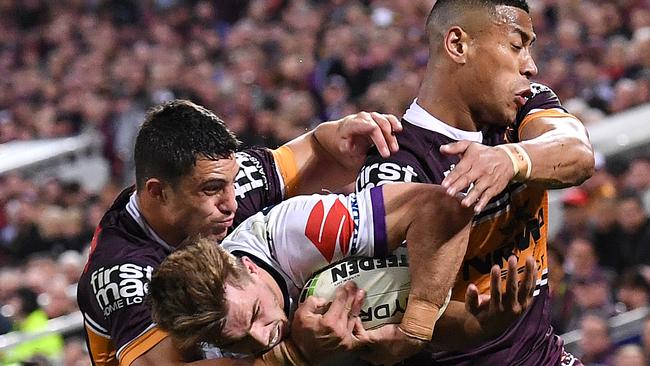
point(271, 69)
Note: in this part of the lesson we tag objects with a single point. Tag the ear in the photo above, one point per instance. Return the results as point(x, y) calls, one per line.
point(456, 44)
point(154, 188)
point(250, 265)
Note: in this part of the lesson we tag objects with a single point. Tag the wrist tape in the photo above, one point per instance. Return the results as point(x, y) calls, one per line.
point(419, 319)
point(521, 163)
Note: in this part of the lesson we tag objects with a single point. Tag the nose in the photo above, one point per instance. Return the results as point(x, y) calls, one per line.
point(228, 204)
point(528, 66)
point(261, 335)
point(261, 341)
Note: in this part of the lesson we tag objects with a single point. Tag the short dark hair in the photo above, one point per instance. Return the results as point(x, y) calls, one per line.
point(173, 136)
point(187, 292)
point(445, 12)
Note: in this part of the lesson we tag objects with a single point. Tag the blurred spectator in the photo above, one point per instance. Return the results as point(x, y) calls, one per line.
point(633, 290)
point(575, 203)
point(590, 284)
point(561, 296)
point(629, 355)
point(637, 176)
point(635, 224)
point(30, 318)
point(606, 233)
point(595, 344)
point(75, 353)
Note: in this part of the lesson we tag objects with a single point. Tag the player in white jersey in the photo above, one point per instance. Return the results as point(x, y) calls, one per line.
point(242, 300)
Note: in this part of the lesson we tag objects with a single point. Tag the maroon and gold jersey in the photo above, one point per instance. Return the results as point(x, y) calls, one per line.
point(514, 222)
point(125, 251)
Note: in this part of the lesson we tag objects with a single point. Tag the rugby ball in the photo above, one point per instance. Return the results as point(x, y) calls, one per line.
point(386, 281)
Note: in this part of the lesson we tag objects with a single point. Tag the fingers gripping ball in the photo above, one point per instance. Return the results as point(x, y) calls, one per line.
point(386, 281)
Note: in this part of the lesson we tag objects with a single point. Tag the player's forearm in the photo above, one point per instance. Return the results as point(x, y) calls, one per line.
point(560, 153)
point(437, 240)
point(436, 228)
point(319, 163)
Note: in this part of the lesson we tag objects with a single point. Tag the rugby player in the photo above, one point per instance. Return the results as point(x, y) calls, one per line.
point(240, 296)
point(189, 180)
point(479, 126)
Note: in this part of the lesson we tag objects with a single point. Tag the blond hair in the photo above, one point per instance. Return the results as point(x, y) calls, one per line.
point(187, 292)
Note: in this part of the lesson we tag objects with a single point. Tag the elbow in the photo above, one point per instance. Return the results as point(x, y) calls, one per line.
point(585, 165)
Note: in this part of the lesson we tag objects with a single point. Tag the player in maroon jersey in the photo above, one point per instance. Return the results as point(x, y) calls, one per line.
point(481, 129)
point(189, 180)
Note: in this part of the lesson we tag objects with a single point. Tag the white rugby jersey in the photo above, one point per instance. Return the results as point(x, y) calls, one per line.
point(304, 234)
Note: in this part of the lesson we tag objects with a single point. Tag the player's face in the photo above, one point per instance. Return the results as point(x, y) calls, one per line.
point(256, 321)
point(500, 67)
point(204, 201)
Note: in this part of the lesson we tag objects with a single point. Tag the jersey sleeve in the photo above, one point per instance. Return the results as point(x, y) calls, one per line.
point(259, 182)
point(543, 103)
point(111, 297)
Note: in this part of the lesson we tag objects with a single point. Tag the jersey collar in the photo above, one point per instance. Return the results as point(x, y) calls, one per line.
point(420, 117)
point(134, 210)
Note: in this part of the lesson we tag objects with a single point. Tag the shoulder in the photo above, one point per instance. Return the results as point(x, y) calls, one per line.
point(543, 102)
point(542, 98)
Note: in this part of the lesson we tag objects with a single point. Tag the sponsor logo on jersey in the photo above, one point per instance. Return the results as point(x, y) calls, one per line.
point(250, 175)
point(378, 174)
point(532, 230)
point(352, 268)
point(326, 231)
point(119, 286)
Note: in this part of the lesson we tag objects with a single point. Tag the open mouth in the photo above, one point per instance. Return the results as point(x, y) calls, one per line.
point(520, 101)
point(277, 333)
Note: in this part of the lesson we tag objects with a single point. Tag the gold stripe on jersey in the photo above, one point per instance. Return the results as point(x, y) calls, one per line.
point(286, 162)
point(550, 113)
point(518, 228)
point(141, 345)
point(102, 350)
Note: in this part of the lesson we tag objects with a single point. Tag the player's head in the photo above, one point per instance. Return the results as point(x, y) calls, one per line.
point(184, 161)
point(482, 49)
point(201, 293)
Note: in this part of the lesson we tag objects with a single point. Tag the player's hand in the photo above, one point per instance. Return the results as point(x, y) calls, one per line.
point(358, 132)
point(389, 345)
point(321, 330)
point(497, 311)
point(486, 169)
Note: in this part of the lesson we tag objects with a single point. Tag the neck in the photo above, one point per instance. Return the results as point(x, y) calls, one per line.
point(151, 212)
point(273, 284)
point(439, 95)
